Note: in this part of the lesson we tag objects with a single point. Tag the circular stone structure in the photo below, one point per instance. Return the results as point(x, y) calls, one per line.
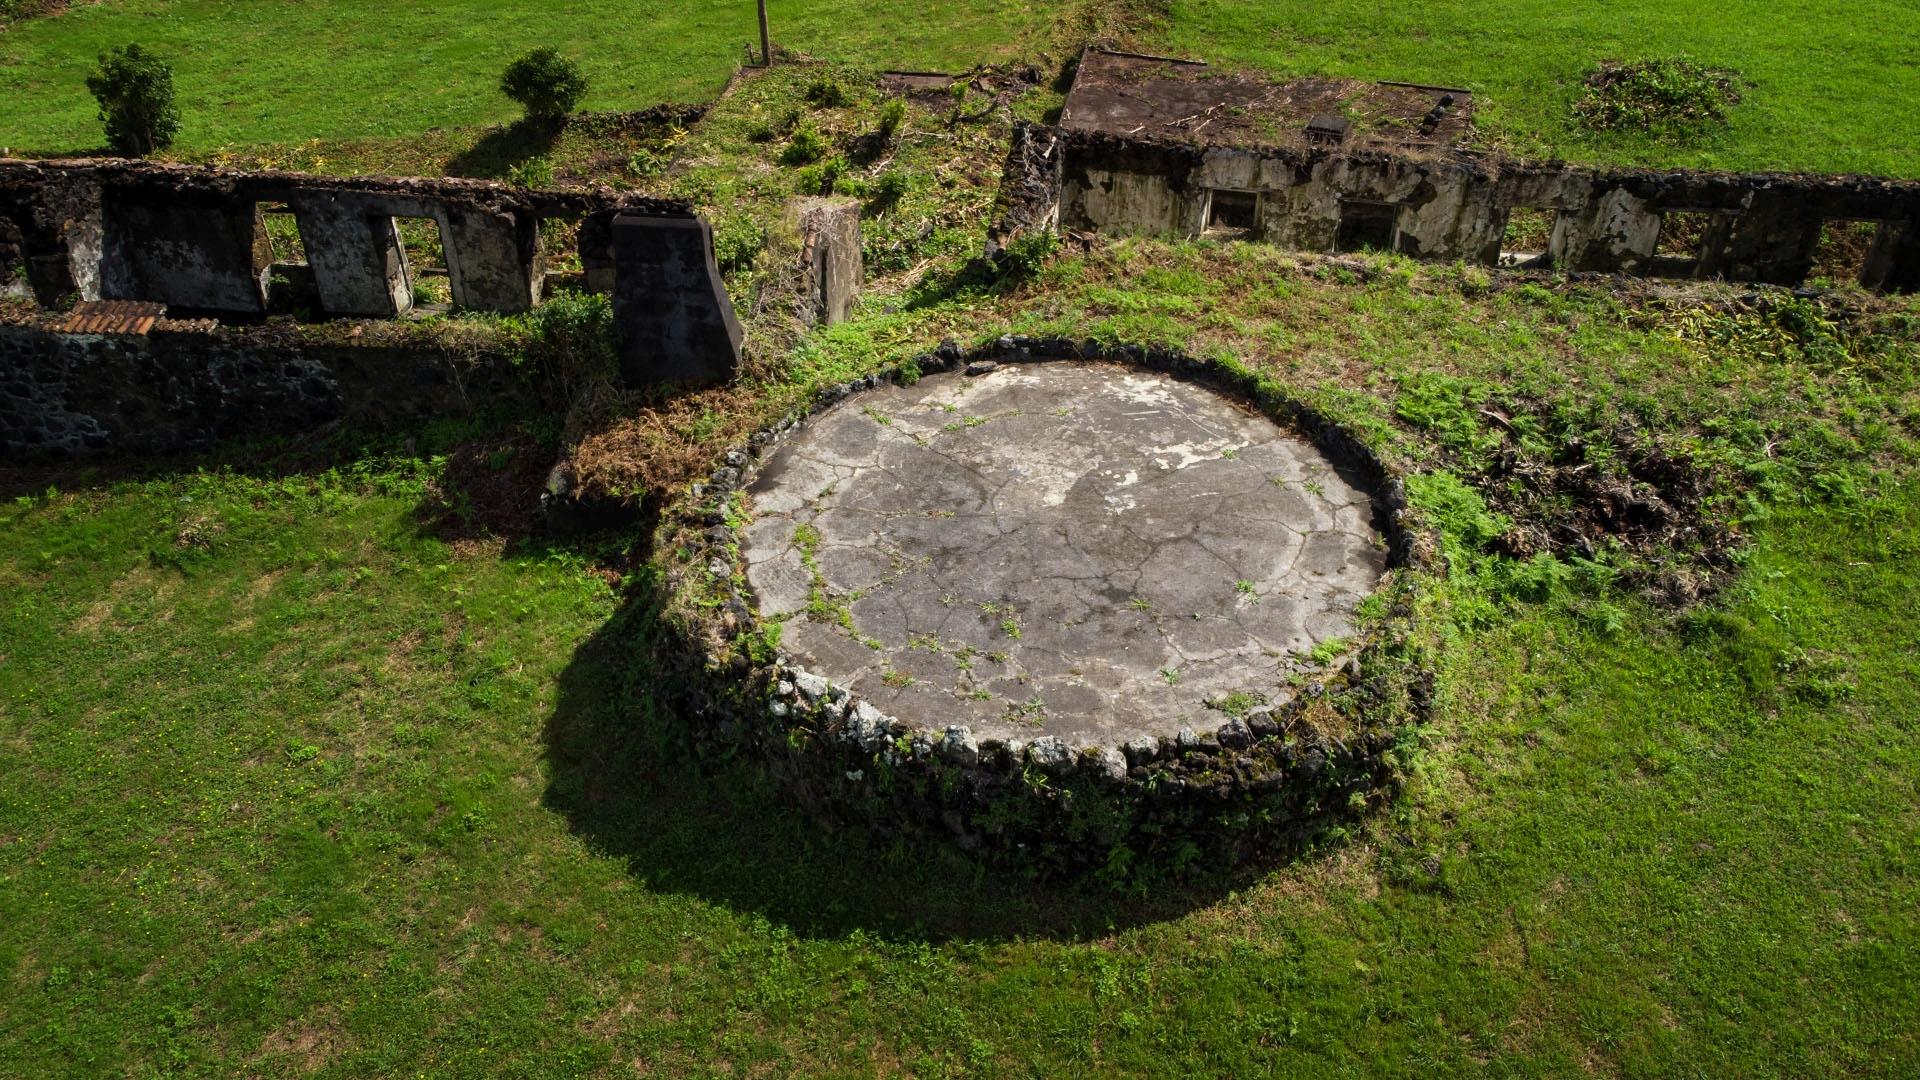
point(1086, 551)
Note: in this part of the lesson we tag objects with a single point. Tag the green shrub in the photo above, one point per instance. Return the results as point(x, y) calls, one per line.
point(549, 86)
point(572, 335)
point(826, 93)
point(737, 242)
point(892, 115)
point(1672, 97)
point(889, 188)
point(777, 128)
point(805, 147)
point(533, 172)
point(135, 92)
point(824, 177)
point(1027, 255)
point(646, 163)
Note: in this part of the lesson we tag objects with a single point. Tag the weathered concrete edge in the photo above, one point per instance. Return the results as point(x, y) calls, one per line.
point(1277, 770)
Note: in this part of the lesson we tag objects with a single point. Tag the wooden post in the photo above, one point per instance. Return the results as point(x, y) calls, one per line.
point(766, 44)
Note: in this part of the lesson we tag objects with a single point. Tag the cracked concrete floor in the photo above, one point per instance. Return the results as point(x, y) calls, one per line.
point(1079, 550)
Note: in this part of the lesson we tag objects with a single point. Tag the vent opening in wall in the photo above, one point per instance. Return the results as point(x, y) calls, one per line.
point(423, 261)
point(281, 251)
point(557, 261)
point(1528, 241)
point(1844, 253)
point(1233, 214)
point(1689, 242)
point(1366, 226)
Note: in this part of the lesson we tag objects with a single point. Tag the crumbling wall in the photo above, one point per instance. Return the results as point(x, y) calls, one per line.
point(194, 239)
point(1030, 186)
point(1760, 227)
point(192, 384)
point(1114, 187)
point(828, 265)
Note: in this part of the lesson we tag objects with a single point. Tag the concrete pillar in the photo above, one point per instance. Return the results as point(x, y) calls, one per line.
point(491, 259)
point(1616, 233)
point(359, 267)
point(1894, 265)
point(829, 265)
point(671, 314)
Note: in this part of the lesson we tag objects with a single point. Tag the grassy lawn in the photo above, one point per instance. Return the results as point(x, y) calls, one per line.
point(1831, 90)
point(258, 73)
point(1829, 85)
point(290, 781)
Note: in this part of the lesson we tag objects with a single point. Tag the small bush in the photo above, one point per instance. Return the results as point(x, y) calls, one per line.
point(826, 93)
point(892, 115)
point(135, 92)
point(646, 163)
point(777, 128)
point(1027, 255)
point(1673, 97)
point(805, 147)
point(549, 86)
point(823, 178)
point(889, 188)
point(533, 172)
point(737, 242)
point(571, 335)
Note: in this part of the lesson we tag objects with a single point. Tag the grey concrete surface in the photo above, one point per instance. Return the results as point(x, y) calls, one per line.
point(1085, 551)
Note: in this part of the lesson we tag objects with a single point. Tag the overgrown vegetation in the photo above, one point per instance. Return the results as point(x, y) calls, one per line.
point(12, 11)
point(316, 762)
point(1671, 98)
point(289, 784)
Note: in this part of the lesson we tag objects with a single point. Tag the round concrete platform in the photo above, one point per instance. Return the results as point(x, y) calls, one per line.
point(1079, 550)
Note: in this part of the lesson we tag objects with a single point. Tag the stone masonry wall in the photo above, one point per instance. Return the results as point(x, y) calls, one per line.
point(1759, 227)
point(195, 240)
point(186, 385)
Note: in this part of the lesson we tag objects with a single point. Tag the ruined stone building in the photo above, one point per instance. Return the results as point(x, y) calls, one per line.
point(1170, 147)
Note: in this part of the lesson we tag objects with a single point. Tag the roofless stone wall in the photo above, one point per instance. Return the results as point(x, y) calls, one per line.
point(186, 384)
point(195, 240)
point(1759, 227)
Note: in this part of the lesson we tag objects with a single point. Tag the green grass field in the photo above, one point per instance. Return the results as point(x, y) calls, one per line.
point(1830, 84)
point(260, 73)
point(291, 782)
point(303, 772)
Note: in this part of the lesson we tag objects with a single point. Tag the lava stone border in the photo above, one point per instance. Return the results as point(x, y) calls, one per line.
point(1272, 778)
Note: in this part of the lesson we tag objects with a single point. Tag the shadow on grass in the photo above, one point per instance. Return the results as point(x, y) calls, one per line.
point(623, 772)
point(498, 151)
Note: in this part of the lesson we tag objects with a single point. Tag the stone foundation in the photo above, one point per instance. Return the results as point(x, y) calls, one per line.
point(1265, 776)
